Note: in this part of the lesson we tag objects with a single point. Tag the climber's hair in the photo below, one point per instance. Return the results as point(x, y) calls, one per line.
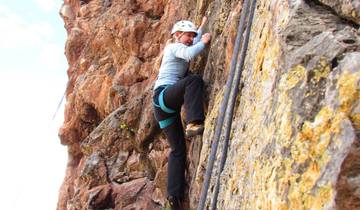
point(160, 56)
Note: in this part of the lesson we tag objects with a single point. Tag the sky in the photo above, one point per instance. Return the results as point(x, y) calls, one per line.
point(32, 83)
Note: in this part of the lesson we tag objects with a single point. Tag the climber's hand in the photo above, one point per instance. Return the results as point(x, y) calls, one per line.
point(203, 21)
point(206, 38)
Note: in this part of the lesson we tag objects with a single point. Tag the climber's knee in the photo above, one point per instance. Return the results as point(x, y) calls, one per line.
point(196, 79)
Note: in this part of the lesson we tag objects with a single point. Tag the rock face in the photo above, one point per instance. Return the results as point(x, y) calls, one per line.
point(296, 126)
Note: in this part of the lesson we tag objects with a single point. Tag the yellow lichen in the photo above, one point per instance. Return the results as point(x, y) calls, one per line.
point(348, 90)
point(322, 70)
point(355, 119)
point(293, 77)
point(309, 178)
point(122, 126)
point(294, 197)
point(300, 151)
point(321, 123)
point(322, 145)
point(283, 16)
point(306, 132)
point(86, 149)
point(310, 145)
point(325, 193)
point(353, 13)
point(284, 174)
point(275, 180)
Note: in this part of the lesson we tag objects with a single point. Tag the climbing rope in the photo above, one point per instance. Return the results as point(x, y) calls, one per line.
point(59, 104)
point(224, 107)
point(231, 104)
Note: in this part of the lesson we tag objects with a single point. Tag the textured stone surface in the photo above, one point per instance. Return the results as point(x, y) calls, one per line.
point(349, 9)
point(296, 127)
point(293, 126)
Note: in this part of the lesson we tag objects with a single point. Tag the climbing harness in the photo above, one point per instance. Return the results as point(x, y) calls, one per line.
point(232, 84)
point(161, 104)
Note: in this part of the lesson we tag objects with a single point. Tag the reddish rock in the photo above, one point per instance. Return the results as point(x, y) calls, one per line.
point(111, 49)
point(117, 155)
point(348, 185)
point(135, 194)
point(100, 197)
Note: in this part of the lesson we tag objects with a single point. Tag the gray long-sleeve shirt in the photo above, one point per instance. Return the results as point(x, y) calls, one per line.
point(175, 61)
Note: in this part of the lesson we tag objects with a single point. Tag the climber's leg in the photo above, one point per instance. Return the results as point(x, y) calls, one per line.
point(177, 158)
point(187, 91)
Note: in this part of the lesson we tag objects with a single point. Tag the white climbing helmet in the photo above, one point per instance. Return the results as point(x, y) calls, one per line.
point(184, 26)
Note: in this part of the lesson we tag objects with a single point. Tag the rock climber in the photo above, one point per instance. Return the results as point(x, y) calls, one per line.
point(173, 88)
